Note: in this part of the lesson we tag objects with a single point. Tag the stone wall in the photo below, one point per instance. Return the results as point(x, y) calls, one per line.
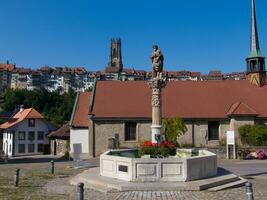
point(196, 135)
point(107, 129)
point(61, 146)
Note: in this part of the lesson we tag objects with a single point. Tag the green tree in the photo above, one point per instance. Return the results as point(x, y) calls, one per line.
point(173, 128)
point(54, 107)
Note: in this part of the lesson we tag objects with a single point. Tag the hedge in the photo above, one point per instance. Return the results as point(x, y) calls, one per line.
point(253, 135)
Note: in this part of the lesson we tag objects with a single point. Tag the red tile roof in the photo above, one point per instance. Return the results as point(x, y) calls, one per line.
point(186, 99)
point(29, 113)
point(240, 108)
point(62, 132)
point(7, 67)
point(80, 110)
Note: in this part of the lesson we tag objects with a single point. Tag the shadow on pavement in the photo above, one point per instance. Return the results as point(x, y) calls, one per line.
point(33, 159)
point(222, 171)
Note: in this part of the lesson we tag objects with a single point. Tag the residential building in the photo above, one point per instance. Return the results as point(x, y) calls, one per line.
point(19, 78)
point(5, 75)
point(33, 80)
point(26, 133)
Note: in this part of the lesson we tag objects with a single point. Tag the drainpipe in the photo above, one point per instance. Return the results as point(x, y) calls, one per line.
point(193, 133)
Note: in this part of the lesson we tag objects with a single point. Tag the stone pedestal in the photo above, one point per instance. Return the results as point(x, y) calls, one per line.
point(156, 84)
point(156, 133)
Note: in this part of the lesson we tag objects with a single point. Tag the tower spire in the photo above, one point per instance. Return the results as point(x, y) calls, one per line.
point(254, 45)
point(256, 73)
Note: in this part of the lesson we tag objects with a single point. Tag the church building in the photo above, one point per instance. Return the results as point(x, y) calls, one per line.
point(209, 109)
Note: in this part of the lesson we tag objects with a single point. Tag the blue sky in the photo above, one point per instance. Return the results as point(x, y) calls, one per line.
point(193, 35)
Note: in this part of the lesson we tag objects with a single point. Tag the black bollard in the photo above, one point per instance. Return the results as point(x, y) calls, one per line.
point(249, 191)
point(52, 167)
point(16, 178)
point(80, 191)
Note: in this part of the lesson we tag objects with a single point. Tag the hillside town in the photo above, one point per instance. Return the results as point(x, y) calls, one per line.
point(80, 79)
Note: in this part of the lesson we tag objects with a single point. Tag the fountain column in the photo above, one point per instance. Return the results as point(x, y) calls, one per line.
point(156, 84)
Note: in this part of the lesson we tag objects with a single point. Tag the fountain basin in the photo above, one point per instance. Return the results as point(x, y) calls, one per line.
point(188, 165)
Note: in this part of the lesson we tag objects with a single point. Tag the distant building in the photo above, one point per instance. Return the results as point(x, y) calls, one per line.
point(115, 66)
point(19, 78)
point(213, 75)
point(235, 76)
point(26, 133)
point(59, 140)
point(5, 75)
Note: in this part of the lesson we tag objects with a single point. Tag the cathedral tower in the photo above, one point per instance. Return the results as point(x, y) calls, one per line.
point(115, 59)
point(256, 73)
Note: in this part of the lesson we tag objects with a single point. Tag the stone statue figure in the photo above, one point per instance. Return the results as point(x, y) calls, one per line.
point(157, 59)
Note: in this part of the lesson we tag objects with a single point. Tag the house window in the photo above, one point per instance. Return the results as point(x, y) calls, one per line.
point(31, 122)
point(130, 131)
point(40, 147)
point(213, 130)
point(21, 148)
point(10, 148)
point(30, 148)
point(21, 135)
point(40, 135)
point(31, 135)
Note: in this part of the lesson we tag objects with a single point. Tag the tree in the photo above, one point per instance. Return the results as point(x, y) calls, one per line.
point(54, 107)
point(173, 128)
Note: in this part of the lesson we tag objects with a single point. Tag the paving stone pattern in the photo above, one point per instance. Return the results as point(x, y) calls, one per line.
point(259, 186)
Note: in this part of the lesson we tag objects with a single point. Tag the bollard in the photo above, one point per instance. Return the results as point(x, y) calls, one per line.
point(52, 167)
point(81, 191)
point(249, 191)
point(16, 178)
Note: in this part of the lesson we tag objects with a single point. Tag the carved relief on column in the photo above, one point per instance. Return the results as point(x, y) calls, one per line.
point(156, 85)
point(156, 101)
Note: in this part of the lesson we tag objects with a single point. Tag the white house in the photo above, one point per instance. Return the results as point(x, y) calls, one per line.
point(26, 133)
point(79, 133)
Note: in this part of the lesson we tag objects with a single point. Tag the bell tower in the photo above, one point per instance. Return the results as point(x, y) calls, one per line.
point(115, 59)
point(256, 72)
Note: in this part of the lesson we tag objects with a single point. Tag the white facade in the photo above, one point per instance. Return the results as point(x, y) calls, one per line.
point(79, 137)
point(24, 140)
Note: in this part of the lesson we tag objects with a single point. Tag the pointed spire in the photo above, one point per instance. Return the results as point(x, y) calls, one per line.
point(255, 45)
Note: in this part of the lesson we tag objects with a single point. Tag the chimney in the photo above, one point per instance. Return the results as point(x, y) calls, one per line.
point(21, 108)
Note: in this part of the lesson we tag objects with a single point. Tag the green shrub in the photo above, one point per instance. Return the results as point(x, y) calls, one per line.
point(253, 135)
point(173, 128)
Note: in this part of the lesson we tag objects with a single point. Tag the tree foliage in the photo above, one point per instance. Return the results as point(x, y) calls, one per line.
point(55, 107)
point(173, 128)
point(253, 135)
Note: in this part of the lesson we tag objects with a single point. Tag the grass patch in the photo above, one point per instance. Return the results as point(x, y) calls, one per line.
point(33, 178)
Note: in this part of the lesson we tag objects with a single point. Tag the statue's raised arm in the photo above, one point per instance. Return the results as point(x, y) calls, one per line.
point(157, 59)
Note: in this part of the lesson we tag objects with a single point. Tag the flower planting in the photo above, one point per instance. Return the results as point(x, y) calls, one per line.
point(158, 150)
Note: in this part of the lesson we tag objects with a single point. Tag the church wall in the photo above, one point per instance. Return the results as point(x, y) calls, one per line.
point(107, 129)
point(224, 127)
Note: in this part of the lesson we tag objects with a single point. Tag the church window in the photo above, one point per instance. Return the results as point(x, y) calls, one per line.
point(130, 131)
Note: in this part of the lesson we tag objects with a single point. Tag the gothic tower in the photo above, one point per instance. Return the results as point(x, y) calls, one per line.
point(256, 73)
point(115, 59)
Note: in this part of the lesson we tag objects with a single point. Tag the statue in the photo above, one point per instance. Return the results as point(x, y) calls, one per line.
point(157, 59)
